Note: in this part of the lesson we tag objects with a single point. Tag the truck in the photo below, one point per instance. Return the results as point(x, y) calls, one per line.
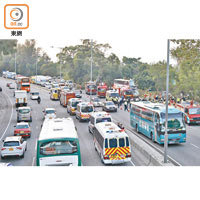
point(65, 96)
point(20, 98)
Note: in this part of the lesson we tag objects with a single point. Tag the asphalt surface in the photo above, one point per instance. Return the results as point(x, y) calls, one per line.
point(8, 119)
point(187, 154)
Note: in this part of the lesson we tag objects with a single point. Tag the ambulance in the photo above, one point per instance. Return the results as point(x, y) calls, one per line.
point(112, 143)
point(98, 117)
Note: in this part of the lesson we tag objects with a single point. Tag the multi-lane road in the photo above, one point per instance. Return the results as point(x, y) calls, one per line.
point(187, 154)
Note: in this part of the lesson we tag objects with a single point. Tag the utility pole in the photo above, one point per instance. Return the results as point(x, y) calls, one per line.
point(91, 71)
point(36, 66)
point(166, 113)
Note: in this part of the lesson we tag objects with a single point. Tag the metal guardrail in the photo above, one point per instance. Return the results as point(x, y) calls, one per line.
point(154, 147)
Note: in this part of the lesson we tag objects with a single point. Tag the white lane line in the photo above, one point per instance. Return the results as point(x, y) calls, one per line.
point(33, 161)
point(132, 163)
point(9, 119)
point(195, 146)
point(35, 145)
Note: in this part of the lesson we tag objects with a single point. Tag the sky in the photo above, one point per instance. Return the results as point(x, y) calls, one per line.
point(132, 28)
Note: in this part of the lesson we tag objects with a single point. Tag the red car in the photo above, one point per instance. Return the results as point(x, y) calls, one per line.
point(22, 129)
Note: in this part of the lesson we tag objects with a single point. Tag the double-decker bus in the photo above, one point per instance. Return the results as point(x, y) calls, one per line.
point(91, 88)
point(191, 110)
point(58, 143)
point(149, 119)
point(23, 83)
point(126, 88)
point(101, 90)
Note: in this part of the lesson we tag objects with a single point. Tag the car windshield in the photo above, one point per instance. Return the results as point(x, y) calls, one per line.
point(175, 120)
point(194, 111)
point(11, 144)
point(101, 89)
point(110, 103)
point(24, 111)
point(128, 92)
point(104, 119)
point(96, 100)
point(50, 111)
point(35, 93)
point(75, 103)
point(22, 126)
point(58, 147)
point(114, 94)
point(87, 109)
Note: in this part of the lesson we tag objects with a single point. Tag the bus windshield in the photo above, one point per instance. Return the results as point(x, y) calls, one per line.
point(58, 147)
point(101, 89)
point(194, 111)
point(175, 120)
point(87, 109)
point(91, 87)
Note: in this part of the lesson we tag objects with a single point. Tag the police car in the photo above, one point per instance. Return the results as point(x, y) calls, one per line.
point(98, 117)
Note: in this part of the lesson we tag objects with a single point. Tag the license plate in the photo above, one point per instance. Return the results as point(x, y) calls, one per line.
point(11, 149)
point(113, 156)
point(21, 131)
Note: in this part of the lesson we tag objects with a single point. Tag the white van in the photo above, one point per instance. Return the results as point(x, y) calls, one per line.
point(20, 98)
point(84, 110)
point(112, 143)
point(24, 114)
point(98, 117)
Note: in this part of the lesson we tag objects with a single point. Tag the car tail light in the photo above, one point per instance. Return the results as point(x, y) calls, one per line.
point(128, 155)
point(2, 149)
point(106, 157)
point(19, 148)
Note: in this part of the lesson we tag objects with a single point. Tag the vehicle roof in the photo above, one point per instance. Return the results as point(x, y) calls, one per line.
point(112, 91)
point(75, 99)
point(85, 104)
point(25, 107)
point(23, 123)
point(50, 109)
point(110, 130)
point(12, 138)
point(109, 102)
point(156, 107)
point(100, 114)
point(58, 128)
point(20, 91)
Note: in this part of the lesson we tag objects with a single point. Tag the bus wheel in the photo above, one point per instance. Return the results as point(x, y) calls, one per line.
point(137, 130)
point(152, 137)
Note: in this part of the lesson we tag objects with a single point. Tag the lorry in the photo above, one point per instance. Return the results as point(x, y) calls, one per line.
point(20, 98)
point(65, 96)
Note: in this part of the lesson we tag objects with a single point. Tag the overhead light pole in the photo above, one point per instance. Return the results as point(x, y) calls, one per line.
point(166, 113)
point(91, 70)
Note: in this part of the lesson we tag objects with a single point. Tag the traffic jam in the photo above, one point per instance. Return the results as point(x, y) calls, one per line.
point(58, 143)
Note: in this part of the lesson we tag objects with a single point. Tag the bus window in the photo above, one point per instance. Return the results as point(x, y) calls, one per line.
point(113, 143)
point(127, 142)
point(58, 147)
point(121, 142)
point(106, 143)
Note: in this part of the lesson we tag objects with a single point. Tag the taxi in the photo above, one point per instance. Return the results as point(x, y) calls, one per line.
point(22, 129)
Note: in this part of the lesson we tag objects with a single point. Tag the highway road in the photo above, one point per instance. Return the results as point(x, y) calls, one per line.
point(8, 119)
point(185, 154)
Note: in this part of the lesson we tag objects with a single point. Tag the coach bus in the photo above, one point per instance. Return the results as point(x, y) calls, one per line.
point(149, 119)
point(23, 83)
point(58, 143)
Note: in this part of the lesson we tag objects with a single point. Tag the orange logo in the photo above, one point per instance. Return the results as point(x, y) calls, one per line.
point(16, 16)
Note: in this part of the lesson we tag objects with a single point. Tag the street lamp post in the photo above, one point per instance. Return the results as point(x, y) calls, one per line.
point(91, 71)
point(36, 66)
point(166, 114)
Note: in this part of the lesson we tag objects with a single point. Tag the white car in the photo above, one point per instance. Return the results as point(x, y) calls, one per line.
point(13, 146)
point(12, 86)
point(48, 86)
point(96, 102)
point(49, 113)
point(34, 95)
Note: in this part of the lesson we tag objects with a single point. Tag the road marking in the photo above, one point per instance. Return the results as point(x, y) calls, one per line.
point(132, 163)
point(195, 146)
point(10, 117)
point(33, 161)
point(35, 145)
